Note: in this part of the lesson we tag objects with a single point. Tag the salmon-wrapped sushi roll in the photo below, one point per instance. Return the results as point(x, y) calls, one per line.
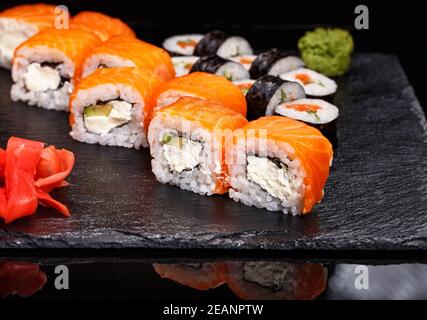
point(187, 141)
point(200, 276)
point(102, 25)
point(111, 107)
point(204, 86)
point(127, 51)
point(19, 23)
point(44, 66)
point(279, 164)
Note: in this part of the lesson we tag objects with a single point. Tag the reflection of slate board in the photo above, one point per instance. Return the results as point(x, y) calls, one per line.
point(376, 197)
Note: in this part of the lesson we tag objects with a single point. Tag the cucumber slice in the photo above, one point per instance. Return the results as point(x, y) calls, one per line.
point(98, 110)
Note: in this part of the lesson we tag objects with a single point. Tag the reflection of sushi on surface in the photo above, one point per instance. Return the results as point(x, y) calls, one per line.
point(269, 280)
point(251, 280)
point(229, 69)
point(222, 44)
point(182, 45)
point(315, 84)
point(244, 85)
point(183, 65)
point(21, 278)
point(200, 276)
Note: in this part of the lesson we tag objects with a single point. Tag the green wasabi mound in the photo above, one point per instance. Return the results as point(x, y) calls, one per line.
point(327, 50)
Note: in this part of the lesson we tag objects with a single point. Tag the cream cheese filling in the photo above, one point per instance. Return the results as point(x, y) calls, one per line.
point(181, 153)
point(272, 178)
point(38, 78)
point(113, 114)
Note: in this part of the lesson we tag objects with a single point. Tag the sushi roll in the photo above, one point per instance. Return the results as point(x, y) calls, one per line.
point(221, 44)
point(268, 92)
point(127, 51)
point(182, 45)
point(19, 23)
point(216, 65)
point(244, 85)
point(275, 280)
point(187, 144)
point(245, 60)
point(203, 86)
point(112, 107)
point(44, 66)
point(315, 84)
point(200, 276)
point(315, 112)
point(274, 62)
point(102, 25)
point(279, 164)
point(183, 64)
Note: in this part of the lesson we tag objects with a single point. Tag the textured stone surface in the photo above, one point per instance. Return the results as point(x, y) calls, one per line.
point(376, 197)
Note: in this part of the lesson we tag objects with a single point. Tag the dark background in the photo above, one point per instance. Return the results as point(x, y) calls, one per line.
point(395, 27)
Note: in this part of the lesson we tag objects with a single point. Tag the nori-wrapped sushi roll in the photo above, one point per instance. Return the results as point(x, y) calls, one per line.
point(182, 45)
point(220, 66)
point(316, 85)
point(274, 62)
point(221, 44)
point(314, 112)
point(268, 92)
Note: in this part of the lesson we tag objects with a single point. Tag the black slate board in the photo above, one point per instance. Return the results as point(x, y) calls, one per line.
point(375, 198)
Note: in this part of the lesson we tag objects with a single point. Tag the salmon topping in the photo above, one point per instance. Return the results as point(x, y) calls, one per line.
point(304, 78)
point(304, 107)
point(187, 43)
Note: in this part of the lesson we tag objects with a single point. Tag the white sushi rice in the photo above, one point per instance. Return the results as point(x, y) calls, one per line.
point(245, 60)
point(233, 71)
point(92, 62)
point(200, 179)
point(251, 180)
point(130, 135)
point(319, 84)
point(286, 64)
point(234, 46)
point(172, 44)
point(183, 65)
point(288, 91)
point(52, 99)
point(325, 114)
point(12, 34)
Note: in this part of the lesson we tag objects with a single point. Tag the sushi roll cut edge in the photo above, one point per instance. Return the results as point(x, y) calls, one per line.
point(45, 66)
point(113, 107)
point(221, 44)
point(229, 69)
point(187, 144)
point(182, 45)
point(279, 164)
point(268, 92)
point(274, 62)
